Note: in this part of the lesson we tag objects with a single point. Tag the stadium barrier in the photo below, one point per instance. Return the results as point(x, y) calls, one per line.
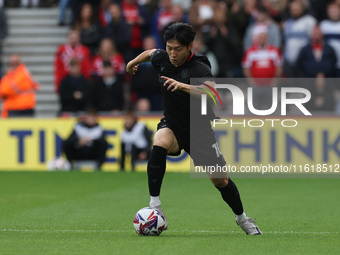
point(28, 144)
point(297, 145)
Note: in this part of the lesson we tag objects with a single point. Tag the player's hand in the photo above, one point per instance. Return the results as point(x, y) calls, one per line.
point(131, 69)
point(172, 84)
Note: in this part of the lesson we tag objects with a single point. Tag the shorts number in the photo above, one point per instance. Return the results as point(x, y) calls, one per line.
point(217, 149)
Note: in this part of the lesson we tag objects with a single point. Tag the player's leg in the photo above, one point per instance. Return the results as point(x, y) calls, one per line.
point(229, 193)
point(231, 196)
point(164, 143)
point(207, 152)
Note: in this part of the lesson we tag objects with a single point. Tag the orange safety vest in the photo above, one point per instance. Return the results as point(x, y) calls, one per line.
point(17, 89)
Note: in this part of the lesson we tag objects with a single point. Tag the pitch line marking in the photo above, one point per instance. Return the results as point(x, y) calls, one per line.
point(176, 231)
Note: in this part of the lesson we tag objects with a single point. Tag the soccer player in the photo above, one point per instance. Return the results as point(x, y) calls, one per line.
point(176, 66)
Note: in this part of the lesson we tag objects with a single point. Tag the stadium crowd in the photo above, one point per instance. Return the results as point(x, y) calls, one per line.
point(242, 38)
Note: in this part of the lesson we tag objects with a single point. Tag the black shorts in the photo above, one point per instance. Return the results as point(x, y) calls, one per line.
point(203, 149)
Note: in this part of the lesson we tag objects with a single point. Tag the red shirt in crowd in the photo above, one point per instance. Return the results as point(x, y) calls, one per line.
point(131, 15)
point(164, 18)
point(262, 62)
point(117, 61)
point(63, 57)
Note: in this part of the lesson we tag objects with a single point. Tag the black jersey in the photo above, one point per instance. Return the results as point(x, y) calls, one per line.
point(177, 103)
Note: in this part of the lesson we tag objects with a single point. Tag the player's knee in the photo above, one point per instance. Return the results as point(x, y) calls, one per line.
point(220, 182)
point(162, 143)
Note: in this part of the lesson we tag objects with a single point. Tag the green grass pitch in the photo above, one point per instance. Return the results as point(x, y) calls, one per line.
point(92, 213)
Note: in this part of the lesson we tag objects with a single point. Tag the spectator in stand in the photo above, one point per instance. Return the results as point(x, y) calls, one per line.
point(185, 4)
point(323, 98)
point(178, 16)
point(108, 52)
point(200, 48)
point(75, 6)
point(297, 30)
point(34, 3)
point(262, 24)
point(135, 140)
point(72, 49)
point(146, 82)
point(104, 12)
point(150, 5)
point(201, 15)
point(118, 31)
point(87, 140)
point(3, 33)
point(107, 91)
point(262, 63)
point(143, 106)
point(222, 41)
point(161, 18)
point(317, 57)
point(62, 9)
point(319, 8)
point(74, 90)
point(275, 9)
point(137, 17)
point(89, 28)
point(331, 31)
point(17, 90)
point(238, 15)
point(95, 3)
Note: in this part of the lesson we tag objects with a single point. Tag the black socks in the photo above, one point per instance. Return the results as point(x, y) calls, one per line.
point(232, 197)
point(156, 169)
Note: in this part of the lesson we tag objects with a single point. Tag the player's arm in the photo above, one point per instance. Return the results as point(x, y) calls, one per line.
point(174, 85)
point(201, 71)
point(145, 56)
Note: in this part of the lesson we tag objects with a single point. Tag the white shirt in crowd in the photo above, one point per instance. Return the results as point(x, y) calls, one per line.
point(297, 33)
point(135, 137)
point(331, 32)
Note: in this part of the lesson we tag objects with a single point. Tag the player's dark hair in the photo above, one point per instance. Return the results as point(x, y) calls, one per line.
point(182, 32)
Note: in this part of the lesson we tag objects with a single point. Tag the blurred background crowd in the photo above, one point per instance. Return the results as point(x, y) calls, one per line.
point(242, 38)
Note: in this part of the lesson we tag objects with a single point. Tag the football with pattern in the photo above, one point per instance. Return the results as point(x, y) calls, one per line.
point(148, 222)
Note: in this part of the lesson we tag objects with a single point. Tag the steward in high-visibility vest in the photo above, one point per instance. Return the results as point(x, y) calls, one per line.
point(17, 88)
